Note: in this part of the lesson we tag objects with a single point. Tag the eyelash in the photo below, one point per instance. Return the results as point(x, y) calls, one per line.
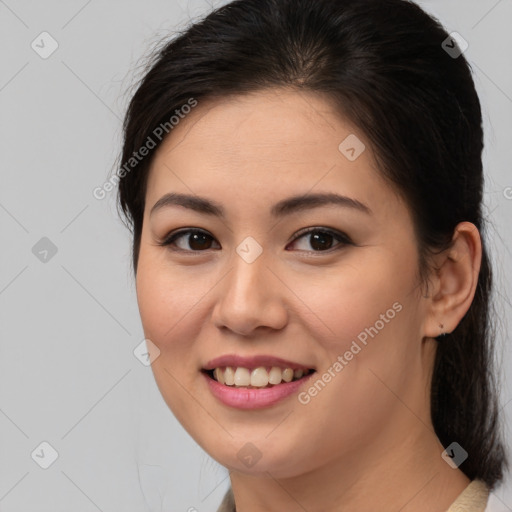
point(339, 236)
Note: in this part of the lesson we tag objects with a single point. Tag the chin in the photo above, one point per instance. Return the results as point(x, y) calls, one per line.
point(258, 459)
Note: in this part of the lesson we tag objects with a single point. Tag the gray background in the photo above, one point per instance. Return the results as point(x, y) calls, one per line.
point(69, 321)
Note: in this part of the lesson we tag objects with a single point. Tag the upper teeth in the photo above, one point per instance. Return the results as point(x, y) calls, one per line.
point(257, 377)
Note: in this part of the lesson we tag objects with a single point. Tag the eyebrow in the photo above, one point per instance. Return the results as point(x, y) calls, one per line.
point(282, 208)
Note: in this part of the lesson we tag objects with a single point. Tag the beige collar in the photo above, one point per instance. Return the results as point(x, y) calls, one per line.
point(472, 499)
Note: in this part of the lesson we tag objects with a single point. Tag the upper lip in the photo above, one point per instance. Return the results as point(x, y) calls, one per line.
point(252, 362)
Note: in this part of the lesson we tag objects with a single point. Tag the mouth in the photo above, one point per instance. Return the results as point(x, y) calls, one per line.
point(254, 382)
point(256, 377)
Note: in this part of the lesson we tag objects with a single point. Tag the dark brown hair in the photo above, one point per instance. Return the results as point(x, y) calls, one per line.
point(383, 64)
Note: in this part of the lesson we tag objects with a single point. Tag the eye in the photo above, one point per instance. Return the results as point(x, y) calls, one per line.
point(197, 239)
point(321, 239)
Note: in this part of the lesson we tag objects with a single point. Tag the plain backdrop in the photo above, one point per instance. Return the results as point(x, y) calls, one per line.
point(69, 321)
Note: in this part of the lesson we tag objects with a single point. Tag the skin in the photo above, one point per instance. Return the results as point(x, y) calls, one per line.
point(366, 441)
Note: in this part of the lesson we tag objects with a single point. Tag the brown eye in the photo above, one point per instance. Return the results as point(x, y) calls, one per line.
point(322, 240)
point(195, 239)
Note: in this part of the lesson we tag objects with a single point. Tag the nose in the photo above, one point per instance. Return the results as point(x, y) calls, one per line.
point(251, 296)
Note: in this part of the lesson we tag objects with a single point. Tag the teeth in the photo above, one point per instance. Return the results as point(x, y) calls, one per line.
point(242, 377)
point(229, 376)
point(258, 377)
point(275, 375)
point(219, 376)
point(288, 375)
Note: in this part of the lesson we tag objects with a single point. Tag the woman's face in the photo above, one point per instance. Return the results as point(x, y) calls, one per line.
point(343, 301)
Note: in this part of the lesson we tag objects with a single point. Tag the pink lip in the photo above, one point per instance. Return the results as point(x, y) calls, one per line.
point(252, 362)
point(252, 398)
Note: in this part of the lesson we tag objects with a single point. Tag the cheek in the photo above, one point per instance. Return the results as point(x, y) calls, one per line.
point(364, 331)
point(370, 309)
point(166, 300)
point(167, 304)
point(359, 300)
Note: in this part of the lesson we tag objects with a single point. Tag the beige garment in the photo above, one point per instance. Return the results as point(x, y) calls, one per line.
point(472, 499)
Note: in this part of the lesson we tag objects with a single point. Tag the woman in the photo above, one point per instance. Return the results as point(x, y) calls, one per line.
point(303, 179)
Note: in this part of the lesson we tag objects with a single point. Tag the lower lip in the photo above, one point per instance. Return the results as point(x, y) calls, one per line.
point(253, 398)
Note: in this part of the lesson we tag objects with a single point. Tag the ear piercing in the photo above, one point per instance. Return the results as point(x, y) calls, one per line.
point(442, 333)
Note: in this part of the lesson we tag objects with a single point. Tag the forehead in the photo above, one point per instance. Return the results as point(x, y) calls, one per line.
point(278, 123)
point(265, 142)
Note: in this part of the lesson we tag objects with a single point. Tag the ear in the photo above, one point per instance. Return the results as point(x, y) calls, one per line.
point(453, 283)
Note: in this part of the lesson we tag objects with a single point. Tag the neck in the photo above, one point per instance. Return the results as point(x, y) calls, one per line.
point(406, 474)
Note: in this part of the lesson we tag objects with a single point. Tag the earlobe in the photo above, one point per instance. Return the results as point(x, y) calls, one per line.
point(455, 281)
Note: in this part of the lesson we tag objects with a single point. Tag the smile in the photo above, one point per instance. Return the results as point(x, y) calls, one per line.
point(254, 382)
point(260, 377)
